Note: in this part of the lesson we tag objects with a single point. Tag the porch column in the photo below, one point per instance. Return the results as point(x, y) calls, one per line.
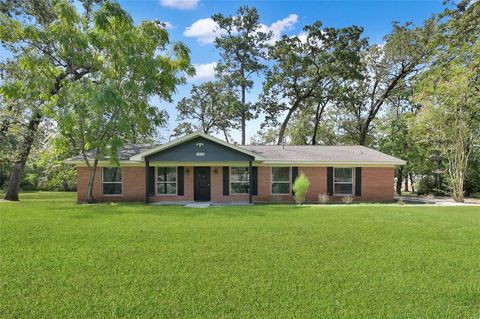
point(250, 181)
point(147, 170)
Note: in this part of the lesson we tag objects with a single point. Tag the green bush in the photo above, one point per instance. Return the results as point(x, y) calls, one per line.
point(300, 187)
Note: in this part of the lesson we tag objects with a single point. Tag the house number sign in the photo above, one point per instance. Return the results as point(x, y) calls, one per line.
point(200, 154)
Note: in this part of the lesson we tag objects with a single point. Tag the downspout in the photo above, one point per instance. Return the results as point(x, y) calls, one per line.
point(147, 170)
point(250, 181)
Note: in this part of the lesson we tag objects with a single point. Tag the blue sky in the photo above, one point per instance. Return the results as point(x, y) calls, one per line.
point(189, 22)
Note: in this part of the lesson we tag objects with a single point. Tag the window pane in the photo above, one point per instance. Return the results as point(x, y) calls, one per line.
point(171, 188)
point(112, 188)
point(281, 174)
point(112, 174)
point(280, 188)
point(239, 174)
point(167, 174)
point(343, 189)
point(238, 188)
point(167, 188)
point(343, 174)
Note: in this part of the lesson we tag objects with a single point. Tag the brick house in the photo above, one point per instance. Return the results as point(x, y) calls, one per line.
point(199, 167)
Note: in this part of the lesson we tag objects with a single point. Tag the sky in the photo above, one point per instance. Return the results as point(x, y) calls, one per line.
point(189, 21)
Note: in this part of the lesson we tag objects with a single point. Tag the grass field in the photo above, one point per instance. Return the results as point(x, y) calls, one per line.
point(60, 259)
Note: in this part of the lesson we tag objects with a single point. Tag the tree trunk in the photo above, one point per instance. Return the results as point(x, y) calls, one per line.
point(411, 182)
point(362, 139)
point(318, 116)
point(19, 165)
point(91, 180)
point(281, 134)
point(406, 183)
point(399, 180)
point(244, 114)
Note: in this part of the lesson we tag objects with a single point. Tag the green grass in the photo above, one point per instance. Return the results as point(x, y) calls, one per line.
point(60, 259)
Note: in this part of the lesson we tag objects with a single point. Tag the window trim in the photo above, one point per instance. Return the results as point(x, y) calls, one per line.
point(352, 182)
point(156, 181)
point(230, 181)
point(121, 182)
point(289, 182)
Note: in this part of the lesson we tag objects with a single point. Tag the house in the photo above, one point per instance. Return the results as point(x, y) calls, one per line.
point(199, 167)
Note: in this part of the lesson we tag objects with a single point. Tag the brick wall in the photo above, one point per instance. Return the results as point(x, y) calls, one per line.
point(377, 185)
point(133, 185)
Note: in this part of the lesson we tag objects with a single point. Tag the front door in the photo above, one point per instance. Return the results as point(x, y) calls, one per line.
point(202, 184)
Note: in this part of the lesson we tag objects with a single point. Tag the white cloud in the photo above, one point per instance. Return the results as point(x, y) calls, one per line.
point(280, 26)
point(168, 25)
point(206, 30)
point(204, 72)
point(180, 4)
point(302, 36)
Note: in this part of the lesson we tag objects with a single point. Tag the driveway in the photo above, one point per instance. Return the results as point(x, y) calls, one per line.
point(443, 201)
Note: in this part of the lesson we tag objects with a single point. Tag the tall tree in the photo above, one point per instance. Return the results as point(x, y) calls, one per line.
point(384, 67)
point(450, 93)
point(59, 52)
point(305, 74)
point(241, 43)
point(210, 109)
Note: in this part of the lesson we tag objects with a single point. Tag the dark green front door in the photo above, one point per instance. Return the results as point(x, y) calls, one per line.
point(201, 184)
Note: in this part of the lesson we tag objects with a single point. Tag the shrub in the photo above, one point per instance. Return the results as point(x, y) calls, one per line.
point(300, 187)
point(323, 198)
point(347, 199)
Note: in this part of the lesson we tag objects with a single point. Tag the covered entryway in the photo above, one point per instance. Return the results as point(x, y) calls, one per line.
point(201, 181)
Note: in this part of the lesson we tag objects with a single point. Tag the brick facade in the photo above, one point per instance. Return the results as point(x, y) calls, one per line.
point(377, 185)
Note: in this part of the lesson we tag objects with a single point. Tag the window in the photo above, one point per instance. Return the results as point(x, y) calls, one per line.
point(239, 180)
point(112, 181)
point(167, 180)
point(280, 180)
point(343, 181)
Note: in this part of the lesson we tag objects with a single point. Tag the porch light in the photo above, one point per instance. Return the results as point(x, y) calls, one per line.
point(187, 171)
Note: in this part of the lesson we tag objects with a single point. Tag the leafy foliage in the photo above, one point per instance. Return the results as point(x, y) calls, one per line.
point(241, 46)
point(300, 188)
point(211, 109)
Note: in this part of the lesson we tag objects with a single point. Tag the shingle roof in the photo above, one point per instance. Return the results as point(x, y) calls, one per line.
point(289, 153)
point(319, 153)
point(123, 154)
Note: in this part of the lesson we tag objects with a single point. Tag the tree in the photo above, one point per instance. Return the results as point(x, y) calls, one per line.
point(395, 136)
point(305, 74)
point(241, 43)
point(384, 68)
point(99, 55)
point(209, 109)
point(450, 93)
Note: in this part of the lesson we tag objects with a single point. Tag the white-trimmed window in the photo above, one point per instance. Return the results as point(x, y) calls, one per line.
point(280, 180)
point(167, 180)
point(112, 181)
point(239, 180)
point(343, 181)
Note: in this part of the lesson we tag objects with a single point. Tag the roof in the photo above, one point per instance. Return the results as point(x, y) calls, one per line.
point(123, 155)
point(323, 154)
point(267, 154)
point(180, 140)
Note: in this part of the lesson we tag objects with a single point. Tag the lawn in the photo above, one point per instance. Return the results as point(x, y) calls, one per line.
point(60, 259)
